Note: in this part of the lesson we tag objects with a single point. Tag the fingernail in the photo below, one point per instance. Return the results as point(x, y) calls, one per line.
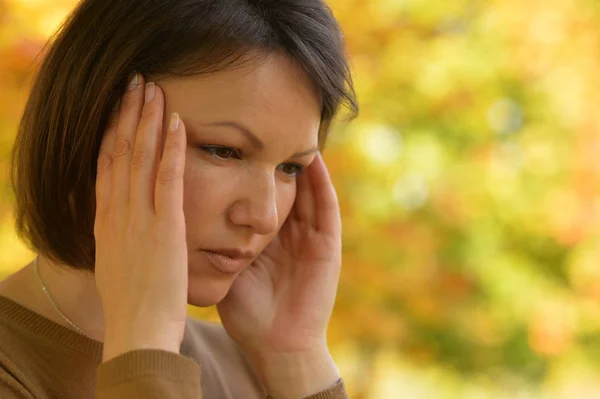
point(150, 90)
point(174, 123)
point(133, 81)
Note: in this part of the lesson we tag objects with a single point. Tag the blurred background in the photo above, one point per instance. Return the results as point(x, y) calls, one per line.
point(468, 188)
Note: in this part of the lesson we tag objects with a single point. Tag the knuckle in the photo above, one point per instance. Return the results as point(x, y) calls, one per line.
point(140, 157)
point(168, 175)
point(131, 98)
point(150, 112)
point(104, 162)
point(122, 147)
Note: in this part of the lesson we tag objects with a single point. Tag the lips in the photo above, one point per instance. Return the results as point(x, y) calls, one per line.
point(229, 261)
point(233, 253)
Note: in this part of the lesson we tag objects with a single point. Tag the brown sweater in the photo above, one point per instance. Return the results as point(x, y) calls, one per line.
point(40, 359)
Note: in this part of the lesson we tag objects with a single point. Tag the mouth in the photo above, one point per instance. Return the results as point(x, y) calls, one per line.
point(229, 261)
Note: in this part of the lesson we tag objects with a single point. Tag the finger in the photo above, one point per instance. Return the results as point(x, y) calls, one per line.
point(168, 194)
point(304, 206)
point(105, 162)
point(326, 202)
point(146, 153)
point(131, 108)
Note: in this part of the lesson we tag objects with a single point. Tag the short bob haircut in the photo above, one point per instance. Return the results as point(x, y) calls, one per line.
point(84, 72)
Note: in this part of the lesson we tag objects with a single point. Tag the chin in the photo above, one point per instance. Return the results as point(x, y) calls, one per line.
point(208, 292)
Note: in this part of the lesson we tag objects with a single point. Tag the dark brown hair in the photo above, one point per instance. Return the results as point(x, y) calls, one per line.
point(53, 165)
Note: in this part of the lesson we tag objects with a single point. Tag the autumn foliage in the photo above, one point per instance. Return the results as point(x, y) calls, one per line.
point(468, 184)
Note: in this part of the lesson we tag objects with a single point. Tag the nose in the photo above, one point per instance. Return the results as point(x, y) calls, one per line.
point(256, 206)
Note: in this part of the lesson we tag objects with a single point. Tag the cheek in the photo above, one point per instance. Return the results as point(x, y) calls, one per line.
point(207, 194)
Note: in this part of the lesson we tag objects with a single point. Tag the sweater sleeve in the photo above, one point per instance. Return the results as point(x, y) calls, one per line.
point(158, 374)
point(149, 373)
point(11, 388)
point(337, 391)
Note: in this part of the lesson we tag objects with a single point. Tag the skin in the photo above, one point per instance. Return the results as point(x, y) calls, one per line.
point(155, 214)
point(253, 199)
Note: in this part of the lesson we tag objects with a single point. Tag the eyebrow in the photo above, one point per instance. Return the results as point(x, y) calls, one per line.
point(253, 139)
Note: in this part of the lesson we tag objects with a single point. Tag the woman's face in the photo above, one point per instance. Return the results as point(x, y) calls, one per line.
point(250, 131)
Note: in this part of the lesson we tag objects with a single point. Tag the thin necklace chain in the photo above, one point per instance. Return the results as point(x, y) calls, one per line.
point(53, 302)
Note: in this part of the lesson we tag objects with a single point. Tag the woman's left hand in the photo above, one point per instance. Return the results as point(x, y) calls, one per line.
point(278, 309)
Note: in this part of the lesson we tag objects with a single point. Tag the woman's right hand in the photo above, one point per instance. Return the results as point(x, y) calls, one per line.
point(141, 251)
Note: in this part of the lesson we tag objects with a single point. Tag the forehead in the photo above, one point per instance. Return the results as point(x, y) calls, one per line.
point(269, 94)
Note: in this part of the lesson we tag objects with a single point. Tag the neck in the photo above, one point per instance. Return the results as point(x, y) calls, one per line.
point(73, 291)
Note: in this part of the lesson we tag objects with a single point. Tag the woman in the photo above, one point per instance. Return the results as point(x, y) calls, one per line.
point(203, 185)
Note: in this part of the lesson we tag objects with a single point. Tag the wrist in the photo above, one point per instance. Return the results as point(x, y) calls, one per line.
point(297, 375)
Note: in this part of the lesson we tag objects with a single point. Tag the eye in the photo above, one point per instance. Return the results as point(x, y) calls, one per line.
point(221, 152)
point(291, 169)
